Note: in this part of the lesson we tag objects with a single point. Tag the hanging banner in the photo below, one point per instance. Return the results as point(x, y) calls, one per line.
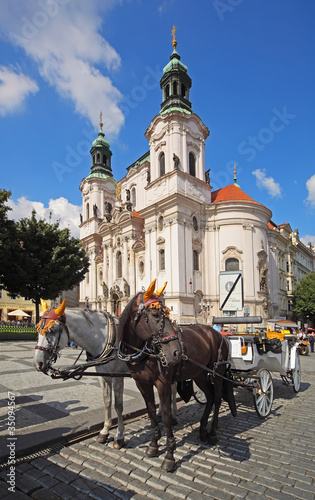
point(231, 290)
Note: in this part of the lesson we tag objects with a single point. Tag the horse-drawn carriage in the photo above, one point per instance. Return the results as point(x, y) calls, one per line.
point(158, 353)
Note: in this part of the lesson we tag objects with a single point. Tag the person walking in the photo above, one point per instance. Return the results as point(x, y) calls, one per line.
point(311, 340)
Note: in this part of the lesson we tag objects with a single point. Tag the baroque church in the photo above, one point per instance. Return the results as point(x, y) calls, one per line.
point(218, 251)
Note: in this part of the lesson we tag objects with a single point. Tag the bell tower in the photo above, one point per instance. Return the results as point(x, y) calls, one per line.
point(175, 82)
point(101, 154)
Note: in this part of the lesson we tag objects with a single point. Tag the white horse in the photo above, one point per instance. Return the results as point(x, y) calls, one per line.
point(95, 332)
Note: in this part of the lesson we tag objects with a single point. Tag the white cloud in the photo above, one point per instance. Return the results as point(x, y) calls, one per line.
point(63, 39)
point(308, 239)
point(310, 186)
point(263, 182)
point(15, 87)
point(60, 210)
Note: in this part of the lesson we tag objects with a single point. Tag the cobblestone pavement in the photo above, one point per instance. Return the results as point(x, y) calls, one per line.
point(255, 458)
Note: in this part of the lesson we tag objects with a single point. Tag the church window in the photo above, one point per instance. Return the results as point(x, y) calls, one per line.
point(196, 260)
point(87, 211)
point(183, 91)
point(133, 196)
point(93, 159)
point(160, 223)
point(98, 158)
point(232, 264)
point(162, 164)
point(104, 159)
point(141, 267)
point(175, 87)
point(167, 91)
point(162, 259)
point(195, 223)
point(119, 265)
point(192, 165)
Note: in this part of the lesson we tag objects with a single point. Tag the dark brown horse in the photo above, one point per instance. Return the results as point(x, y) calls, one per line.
point(158, 354)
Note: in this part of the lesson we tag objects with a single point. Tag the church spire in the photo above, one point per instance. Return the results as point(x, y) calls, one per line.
point(101, 154)
point(175, 82)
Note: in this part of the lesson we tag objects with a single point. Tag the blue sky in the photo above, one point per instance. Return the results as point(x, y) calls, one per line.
point(252, 70)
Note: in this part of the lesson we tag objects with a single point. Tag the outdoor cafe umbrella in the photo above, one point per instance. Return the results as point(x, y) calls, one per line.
point(18, 312)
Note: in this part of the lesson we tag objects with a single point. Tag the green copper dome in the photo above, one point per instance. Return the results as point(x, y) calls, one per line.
point(101, 156)
point(100, 140)
point(175, 64)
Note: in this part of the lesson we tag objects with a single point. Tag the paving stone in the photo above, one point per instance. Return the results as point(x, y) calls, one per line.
point(65, 491)
point(44, 494)
point(102, 494)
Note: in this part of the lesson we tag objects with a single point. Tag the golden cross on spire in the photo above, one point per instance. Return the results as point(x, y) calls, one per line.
point(101, 117)
point(174, 43)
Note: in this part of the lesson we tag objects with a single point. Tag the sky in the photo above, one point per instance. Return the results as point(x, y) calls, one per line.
point(252, 70)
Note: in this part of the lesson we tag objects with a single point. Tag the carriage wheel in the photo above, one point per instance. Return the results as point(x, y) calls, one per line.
point(199, 395)
point(296, 373)
point(263, 393)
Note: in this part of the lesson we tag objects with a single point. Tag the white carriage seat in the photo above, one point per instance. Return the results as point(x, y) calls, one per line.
point(240, 349)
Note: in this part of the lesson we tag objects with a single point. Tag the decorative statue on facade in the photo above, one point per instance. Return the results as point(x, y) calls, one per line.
point(207, 176)
point(127, 194)
point(148, 176)
point(263, 279)
point(126, 288)
point(105, 290)
point(81, 219)
point(108, 209)
point(95, 210)
point(118, 191)
point(176, 161)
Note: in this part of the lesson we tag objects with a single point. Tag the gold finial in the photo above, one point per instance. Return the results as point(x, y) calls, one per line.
point(174, 43)
point(118, 191)
point(101, 123)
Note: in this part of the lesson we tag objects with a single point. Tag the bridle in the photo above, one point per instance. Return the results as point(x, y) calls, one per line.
point(43, 329)
point(156, 338)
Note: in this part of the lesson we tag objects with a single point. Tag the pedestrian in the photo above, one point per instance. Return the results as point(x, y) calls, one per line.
point(311, 340)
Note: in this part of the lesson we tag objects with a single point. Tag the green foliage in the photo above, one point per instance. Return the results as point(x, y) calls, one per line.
point(304, 297)
point(8, 241)
point(47, 260)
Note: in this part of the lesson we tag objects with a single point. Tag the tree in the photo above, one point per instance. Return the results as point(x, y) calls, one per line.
point(304, 298)
point(9, 246)
point(47, 261)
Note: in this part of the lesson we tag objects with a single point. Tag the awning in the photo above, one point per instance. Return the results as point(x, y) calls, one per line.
point(18, 312)
point(284, 323)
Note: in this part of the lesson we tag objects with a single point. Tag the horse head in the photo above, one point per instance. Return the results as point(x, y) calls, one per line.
point(145, 320)
point(52, 336)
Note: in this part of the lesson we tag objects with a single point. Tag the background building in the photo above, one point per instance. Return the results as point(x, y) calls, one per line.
point(219, 251)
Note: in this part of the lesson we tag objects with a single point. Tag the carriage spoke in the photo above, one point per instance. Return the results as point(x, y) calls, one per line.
point(263, 393)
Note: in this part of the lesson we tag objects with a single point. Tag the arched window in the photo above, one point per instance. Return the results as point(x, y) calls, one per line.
point(162, 164)
point(167, 91)
point(195, 223)
point(232, 264)
point(183, 90)
point(160, 223)
point(119, 265)
point(162, 259)
point(133, 197)
point(175, 87)
point(93, 159)
point(196, 260)
point(104, 159)
point(192, 165)
point(87, 211)
point(98, 157)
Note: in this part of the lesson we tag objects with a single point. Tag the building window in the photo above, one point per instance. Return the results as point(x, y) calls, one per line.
point(195, 223)
point(104, 159)
point(192, 165)
point(98, 158)
point(141, 267)
point(160, 223)
point(167, 91)
point(183, 92)
point(162, 164)
point(87, 211)
point(162, 259)
point(119, 265)
point(175, 86)
point(133, 196)
point(232, 265)
point(196, 260)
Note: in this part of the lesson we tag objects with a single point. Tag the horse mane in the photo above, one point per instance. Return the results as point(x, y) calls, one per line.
point(125, 318)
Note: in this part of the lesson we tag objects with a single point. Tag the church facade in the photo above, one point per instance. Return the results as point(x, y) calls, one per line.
point(218, 250)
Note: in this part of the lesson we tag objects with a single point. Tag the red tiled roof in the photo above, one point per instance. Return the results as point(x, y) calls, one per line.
point(272, 225)
point(135, 214)
point(230, 193)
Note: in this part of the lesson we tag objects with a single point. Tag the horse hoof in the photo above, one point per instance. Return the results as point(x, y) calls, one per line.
point(168, 465)
point(119, 443)
point(213, 439)
point(174, 421)
point(152, 451)
point(102, 438)
point(204, 437)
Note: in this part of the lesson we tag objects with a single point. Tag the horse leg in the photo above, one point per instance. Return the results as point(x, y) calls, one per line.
point(217, 390)
point(173, 405)
point(148, 396)
point(118, 387)
point(165, 395)
point(106, 385)
point(204, 385)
